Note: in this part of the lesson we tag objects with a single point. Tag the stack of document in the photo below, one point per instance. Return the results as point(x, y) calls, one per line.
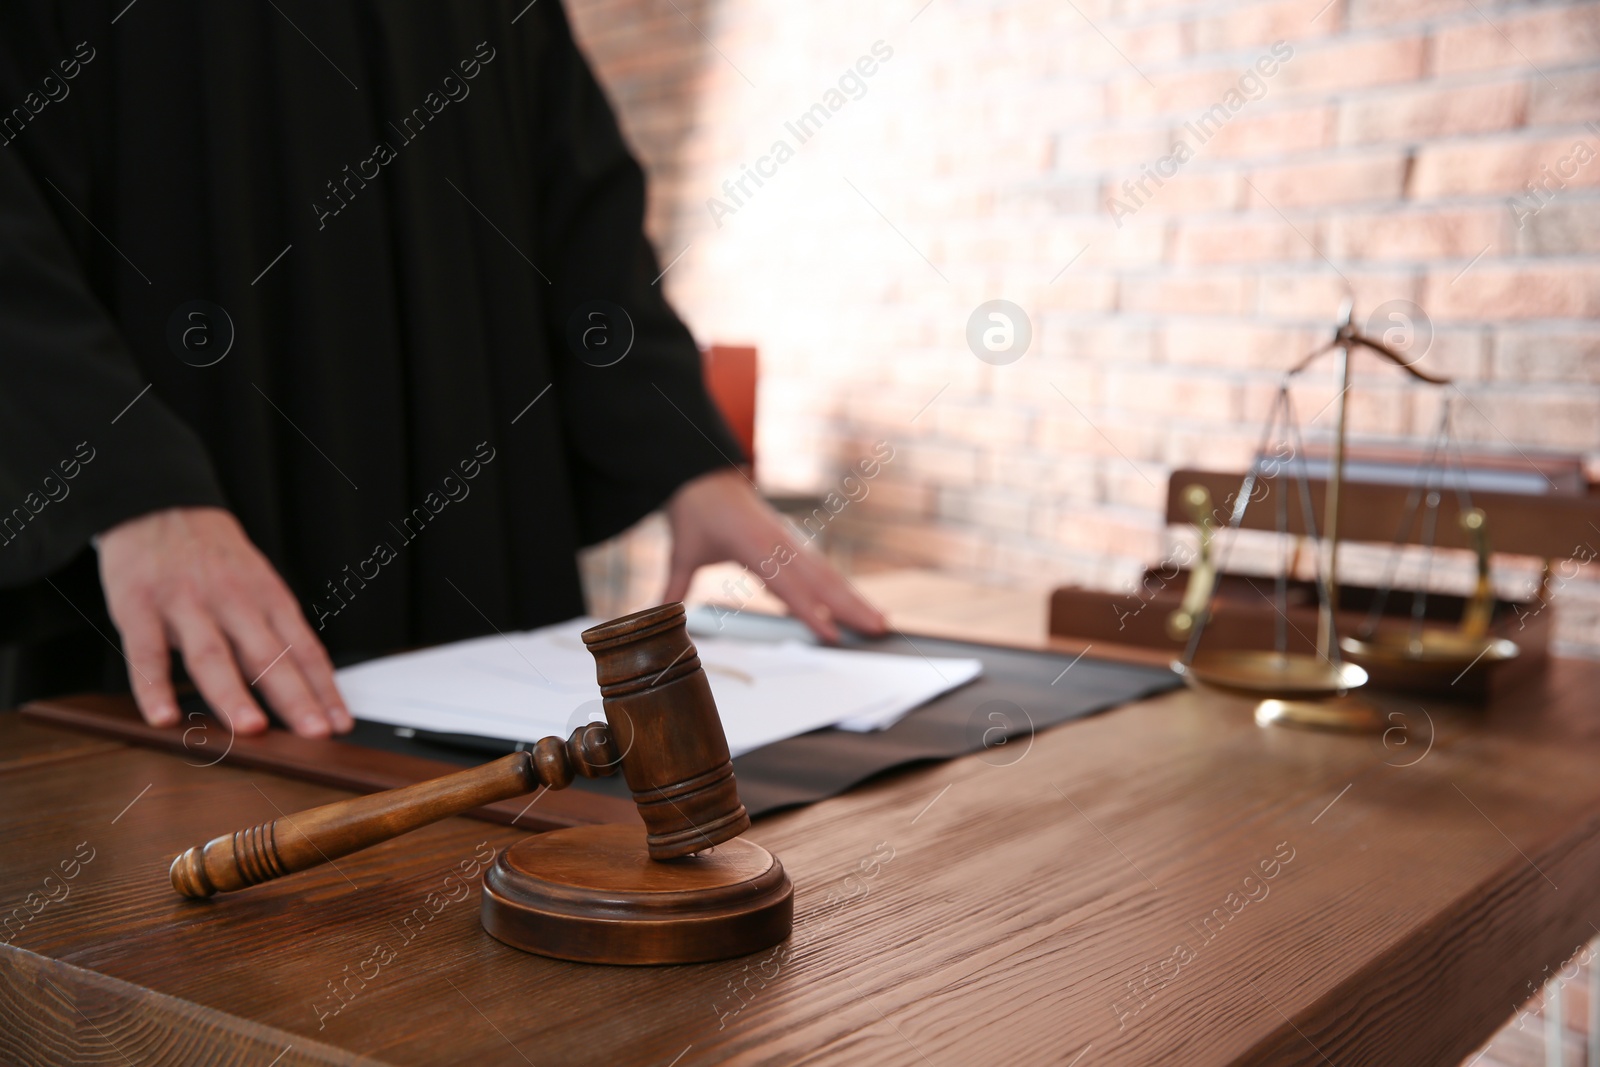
point(528, 685)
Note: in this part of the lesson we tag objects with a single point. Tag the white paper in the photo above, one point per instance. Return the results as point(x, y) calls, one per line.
point(527, 685)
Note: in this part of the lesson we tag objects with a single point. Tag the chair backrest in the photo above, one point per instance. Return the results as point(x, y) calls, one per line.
point(731, 372)
point(1541, 506)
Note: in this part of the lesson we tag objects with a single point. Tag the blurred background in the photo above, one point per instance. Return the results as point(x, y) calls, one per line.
point(1438, 160)
point(1432, 156)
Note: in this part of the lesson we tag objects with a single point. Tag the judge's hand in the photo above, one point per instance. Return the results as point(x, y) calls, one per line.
point(189, 578)
point(718, 516)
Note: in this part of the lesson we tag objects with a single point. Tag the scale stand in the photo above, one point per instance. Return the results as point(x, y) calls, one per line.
point(1296, 689)
point(1432, 659)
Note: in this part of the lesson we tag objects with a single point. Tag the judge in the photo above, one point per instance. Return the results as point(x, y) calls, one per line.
point(293, 350)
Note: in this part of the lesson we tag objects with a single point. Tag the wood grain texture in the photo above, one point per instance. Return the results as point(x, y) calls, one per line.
point(23, 743)
point(593, 894)
point(204, 742)
point(974, 911)
point(53, 1012)
point(664, 720)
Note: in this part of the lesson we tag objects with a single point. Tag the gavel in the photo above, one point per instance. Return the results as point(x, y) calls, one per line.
point(662, 730)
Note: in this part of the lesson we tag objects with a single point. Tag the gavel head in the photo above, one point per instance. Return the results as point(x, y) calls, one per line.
point(663, 720)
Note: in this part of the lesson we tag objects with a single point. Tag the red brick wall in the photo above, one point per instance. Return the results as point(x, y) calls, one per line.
point(986, 158)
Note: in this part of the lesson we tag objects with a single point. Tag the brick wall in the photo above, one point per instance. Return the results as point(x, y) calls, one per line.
point(1029, 151)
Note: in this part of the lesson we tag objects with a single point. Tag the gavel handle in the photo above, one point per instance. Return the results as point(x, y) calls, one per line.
point(295, 842)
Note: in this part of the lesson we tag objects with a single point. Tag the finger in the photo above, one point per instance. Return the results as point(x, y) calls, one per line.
point(209, 659)
point(144, 644)
point(847, 606)
point(794, 591)
point(677, 583)
point(273, 670)
point(312, 659)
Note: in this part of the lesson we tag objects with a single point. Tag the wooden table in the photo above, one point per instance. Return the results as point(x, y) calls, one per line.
point(1101, 899)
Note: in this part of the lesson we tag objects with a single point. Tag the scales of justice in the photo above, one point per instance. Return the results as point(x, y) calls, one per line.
point(1319, 690)
point(682, 888)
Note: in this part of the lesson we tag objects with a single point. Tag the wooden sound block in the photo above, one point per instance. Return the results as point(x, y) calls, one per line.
point(592, 894)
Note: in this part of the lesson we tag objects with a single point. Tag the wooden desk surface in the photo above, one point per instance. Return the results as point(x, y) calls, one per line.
point(1096, 899)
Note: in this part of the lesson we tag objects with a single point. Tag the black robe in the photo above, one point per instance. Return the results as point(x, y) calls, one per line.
point(393, 210)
